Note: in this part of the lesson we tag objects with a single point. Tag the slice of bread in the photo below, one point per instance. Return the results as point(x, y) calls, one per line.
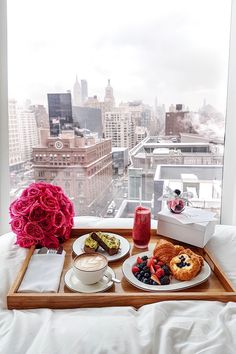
point(90, 245)
point(109, 243)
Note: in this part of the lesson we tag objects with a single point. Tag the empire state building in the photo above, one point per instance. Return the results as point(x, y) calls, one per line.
point(76, 93)
point(109, 98)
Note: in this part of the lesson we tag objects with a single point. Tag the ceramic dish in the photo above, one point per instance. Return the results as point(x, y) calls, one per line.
point(174, 285)
point(78, 247)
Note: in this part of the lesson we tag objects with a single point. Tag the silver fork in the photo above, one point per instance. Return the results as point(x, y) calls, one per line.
point(55, 251)
point(52, 251)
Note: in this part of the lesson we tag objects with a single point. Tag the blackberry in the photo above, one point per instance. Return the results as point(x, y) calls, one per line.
point(165, 280)
point(144, 258)
point(142, 265)
point(166, 269)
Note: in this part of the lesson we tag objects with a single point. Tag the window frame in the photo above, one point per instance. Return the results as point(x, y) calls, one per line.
point(228, 201)
point(228, 204)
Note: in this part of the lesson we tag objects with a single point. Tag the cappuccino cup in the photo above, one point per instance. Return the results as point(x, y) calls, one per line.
point(89, 268)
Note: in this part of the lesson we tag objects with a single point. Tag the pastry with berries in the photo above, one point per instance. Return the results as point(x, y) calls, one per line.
point(185, 266)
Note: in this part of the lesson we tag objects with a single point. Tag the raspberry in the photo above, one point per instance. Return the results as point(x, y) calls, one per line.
point(160, 272)
point(157, 266)
point(160, 263)
point(139, 260)
point(135, 269)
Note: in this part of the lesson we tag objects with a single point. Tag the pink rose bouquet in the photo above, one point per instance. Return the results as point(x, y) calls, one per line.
point(42, 215)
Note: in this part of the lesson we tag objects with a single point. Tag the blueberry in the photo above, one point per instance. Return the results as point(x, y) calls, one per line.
point(154, 282)
point(165, 280)
point(180, 265)
point(147, 275)
point(146, 269)
point(144, 258)
point(139, 276)
point(136, 274)
point(142, 272)
point(145, 280)
point(187, 264)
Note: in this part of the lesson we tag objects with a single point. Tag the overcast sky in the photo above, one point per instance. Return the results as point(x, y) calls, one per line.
point(176, 50)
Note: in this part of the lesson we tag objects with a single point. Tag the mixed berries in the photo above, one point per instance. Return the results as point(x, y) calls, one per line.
point(151, 271)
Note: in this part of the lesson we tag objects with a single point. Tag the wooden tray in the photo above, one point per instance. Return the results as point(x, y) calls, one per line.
point(217, 287)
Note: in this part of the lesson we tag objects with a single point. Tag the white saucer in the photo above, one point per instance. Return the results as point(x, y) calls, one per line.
point(74, 284)
point(78, 247)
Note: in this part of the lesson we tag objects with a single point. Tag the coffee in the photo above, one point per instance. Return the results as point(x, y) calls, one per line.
point(90, 262)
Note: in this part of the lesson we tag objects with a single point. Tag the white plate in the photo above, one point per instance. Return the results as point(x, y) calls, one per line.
point(78, 247)
point(175, 284)
point(74, 284)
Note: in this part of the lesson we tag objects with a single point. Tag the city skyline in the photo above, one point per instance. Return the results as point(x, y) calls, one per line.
point(177, 52)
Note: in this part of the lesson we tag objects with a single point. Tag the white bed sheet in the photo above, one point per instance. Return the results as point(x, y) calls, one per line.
point(186, 327)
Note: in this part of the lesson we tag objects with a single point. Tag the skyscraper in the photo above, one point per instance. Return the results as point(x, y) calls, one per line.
point(120, 128)
point(28, 132)
point(60, 112)
point(77, 93)
point(109, 94)
point(15, 156)
point(84, 91)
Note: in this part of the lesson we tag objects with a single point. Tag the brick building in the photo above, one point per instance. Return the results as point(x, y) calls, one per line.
point(178, 120)
point(81, 166)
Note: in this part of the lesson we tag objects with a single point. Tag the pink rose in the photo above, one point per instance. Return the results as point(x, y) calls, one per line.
point(59, 219)
point(31, 191)
point(48, 223)
point(49, 203)
point(37, 213)
point(42, 186)
point(33, 230)
point(21, 206)
point(18, 224)
point(60, 231)
point(24, 241)
point(51, 242)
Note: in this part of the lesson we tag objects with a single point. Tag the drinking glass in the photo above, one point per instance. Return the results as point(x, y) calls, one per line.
point(142, 227)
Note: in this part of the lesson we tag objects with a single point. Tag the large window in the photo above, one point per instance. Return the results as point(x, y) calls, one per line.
point(109, 99)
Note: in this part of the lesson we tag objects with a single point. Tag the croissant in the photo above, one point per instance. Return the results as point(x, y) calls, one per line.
point(185, 266)
point(164, 251)
point(178, 249)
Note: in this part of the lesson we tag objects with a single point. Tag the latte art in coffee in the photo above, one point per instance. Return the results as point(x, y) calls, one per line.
point(90, 263)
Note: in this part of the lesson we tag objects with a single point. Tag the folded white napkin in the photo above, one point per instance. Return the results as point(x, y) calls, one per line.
point(43, 273)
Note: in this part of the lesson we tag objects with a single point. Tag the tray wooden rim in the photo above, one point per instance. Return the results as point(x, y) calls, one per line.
point(135, 299)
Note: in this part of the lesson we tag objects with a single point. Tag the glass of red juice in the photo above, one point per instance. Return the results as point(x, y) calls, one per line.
point(142, 227)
